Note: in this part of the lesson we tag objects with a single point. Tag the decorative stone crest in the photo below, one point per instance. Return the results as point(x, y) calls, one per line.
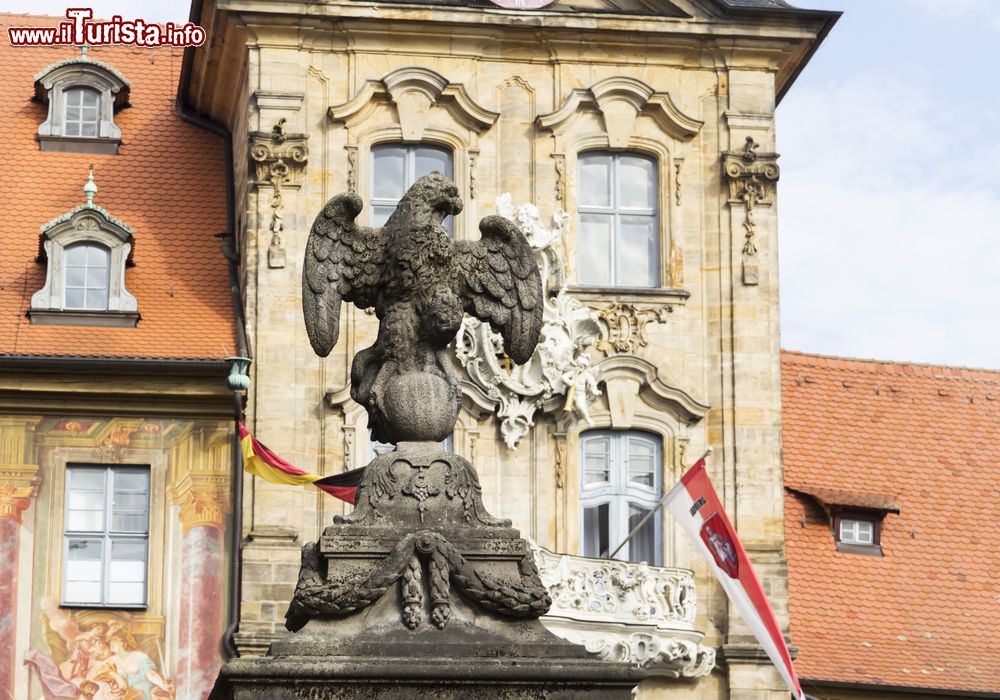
point(624, 326)
point(560, 366)
point(752, 178)
point(646, 612)
point(279, 161)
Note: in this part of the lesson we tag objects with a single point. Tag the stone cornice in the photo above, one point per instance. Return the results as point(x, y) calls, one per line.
point(641, 97)
point(401, 85)
point(652, 388)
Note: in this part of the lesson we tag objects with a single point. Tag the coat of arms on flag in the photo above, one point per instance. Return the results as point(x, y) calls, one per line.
point(720, 543)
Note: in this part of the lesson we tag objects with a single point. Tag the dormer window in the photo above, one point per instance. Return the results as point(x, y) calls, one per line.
point(86, 251)
point(82, 95)
point(856, 519)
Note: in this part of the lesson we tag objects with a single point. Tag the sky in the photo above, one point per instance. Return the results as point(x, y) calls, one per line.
point(889, 198)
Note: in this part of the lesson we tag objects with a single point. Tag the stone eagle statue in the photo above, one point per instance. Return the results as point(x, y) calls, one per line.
point(421, 283)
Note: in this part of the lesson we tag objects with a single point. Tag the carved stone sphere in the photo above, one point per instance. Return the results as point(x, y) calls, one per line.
point(420, 406)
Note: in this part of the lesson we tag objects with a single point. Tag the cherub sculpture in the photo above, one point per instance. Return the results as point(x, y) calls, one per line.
point(421, 282)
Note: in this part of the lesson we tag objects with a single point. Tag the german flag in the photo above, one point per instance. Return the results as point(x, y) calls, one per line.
point(259, 460)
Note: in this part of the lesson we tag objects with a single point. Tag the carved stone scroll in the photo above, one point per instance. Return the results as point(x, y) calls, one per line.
point(752, 177)
point(624, 326)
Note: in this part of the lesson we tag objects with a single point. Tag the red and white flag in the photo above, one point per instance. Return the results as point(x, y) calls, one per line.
point(697, 508)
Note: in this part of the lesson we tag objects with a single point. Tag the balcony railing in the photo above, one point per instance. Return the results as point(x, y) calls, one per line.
point(628, 612)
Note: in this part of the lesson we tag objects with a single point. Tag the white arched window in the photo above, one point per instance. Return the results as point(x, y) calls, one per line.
point(82, 115)
point(618, 242)
point(395, 167)
point(86, 282)
point(620, 483)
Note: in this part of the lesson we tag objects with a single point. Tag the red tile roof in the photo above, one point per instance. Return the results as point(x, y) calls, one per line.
point(168, 183)
point(926, 614)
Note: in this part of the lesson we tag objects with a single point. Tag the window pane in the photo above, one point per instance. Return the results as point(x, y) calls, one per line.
point(637, 251)
point(595, 180)
point(97, 277)
point(97, 299)
point(75, 276)
point(88, 128)
point(127, 572)
point(381, 214)
point(72, 114)
point(75, 298)
point(642, 546)
point(430, 159)
point(388, 172)
point(83, 570)
point(76, 255)
point(96, 256)
point(86, 501)
point(641, 464)
point(89, 97)
point(597, 460)
point(595, 249)
point(130, 502)
point(636, 183)
point(595, 531)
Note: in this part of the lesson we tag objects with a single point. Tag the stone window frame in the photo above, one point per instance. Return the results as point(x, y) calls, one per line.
point(635, 398)
point(409, 149)
point(622, 114)
point(84, 224)
point(113, 90)
point(106, 534)
point(414, 105)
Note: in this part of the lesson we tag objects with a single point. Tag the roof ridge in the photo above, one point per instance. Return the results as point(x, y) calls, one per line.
point(987, 373)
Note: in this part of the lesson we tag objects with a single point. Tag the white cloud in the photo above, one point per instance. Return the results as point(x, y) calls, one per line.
point(888, 225)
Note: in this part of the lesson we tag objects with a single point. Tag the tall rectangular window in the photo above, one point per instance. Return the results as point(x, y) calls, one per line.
point(395, 167)
point(106, 536)
point(620, 486)
point(619, 242)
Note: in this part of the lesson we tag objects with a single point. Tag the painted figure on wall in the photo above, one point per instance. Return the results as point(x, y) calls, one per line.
point(95, 655)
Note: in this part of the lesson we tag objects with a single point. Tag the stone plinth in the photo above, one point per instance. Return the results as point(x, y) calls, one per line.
point(421, 592)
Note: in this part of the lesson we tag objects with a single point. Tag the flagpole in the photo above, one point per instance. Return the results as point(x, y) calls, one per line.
point(652, 511)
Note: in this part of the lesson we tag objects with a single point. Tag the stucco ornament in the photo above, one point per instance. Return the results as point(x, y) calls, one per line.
point(624, 611)
point(421, 283)
point(559, 366)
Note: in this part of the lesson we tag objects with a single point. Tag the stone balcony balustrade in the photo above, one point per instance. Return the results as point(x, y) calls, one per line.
point(621, 611)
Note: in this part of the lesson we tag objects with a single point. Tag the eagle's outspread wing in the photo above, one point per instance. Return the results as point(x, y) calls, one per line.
point(498, 282)
point(343, 262)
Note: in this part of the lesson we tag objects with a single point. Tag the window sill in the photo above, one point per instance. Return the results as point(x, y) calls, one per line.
point(79, 144)
point(634, 294)
point(106, 319)
point(869, 550)
point(103, 606)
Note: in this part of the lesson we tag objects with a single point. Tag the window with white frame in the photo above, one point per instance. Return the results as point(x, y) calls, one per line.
point(618, 242)
point(857, 531)
point(395, 167)
point(82, 116)
point(86, 283)
point(106, 536)
point(620, 484)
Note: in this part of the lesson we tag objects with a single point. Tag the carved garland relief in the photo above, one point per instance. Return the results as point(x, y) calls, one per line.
point(279, 160)
point(751, 177)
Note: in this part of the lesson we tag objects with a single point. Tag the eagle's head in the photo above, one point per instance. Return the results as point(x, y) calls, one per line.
point(435, 196)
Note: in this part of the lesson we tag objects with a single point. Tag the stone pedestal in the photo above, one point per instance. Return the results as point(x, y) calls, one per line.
point(421, 593)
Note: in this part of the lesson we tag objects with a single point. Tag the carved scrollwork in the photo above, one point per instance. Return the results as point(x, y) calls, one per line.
point(624, 326)
point(559, 366)
point(279, 161)
point(751, 177)
point(647, 612)
point(317, 596)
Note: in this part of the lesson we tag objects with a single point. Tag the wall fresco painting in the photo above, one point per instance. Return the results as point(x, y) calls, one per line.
point(99, 655)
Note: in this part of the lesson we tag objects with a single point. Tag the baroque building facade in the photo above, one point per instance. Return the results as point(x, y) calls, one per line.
point(645, 133)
